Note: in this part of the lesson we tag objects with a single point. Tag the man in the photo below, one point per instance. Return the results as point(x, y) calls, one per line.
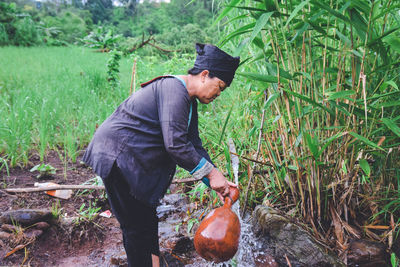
point(136, 149)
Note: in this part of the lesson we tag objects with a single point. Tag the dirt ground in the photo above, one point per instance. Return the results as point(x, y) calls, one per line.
point(64, 243)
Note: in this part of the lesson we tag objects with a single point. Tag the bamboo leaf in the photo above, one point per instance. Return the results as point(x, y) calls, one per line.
point(393, 42)
point(365, 167)
point(341, 94)
point(271, 99)
point(312, 144)
point(242, 30)
point(366, 141)
point(259, 77)
point(226, 123)
point(226, 11)
point(295, 11)
point(392, 126)
point(386, 84)
point(330, 10)
point(261, 22)
point(309, 100)
point(329, 141)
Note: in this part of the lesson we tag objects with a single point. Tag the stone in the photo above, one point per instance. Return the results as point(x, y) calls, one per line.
point(290, 239)
point(42, 225)
point(4, 236)
point(33, 233)
point(8, 228)
point(366, 253)
point(265, 261)
point(25, 216)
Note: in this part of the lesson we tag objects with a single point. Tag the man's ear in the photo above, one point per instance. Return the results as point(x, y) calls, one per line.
point(204, 75)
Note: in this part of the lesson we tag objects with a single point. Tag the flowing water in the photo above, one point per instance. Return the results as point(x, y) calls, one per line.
point(250, 249)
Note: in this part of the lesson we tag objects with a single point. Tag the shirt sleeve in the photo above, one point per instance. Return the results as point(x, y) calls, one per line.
point(173, 111)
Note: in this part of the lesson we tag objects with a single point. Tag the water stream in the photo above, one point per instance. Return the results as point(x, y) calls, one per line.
point(249, 248)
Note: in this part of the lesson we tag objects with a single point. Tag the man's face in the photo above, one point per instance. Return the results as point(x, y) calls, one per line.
point(211, 89)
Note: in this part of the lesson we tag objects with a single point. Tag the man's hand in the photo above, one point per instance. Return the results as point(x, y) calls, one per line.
point(220, 184)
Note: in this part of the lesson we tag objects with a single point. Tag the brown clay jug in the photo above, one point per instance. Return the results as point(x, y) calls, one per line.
point(217, 238)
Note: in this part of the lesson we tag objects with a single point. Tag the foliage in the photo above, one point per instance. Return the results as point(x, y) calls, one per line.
point(56, 209)
point(44, 170)
point(88, 214)
point(103, 39)
point(113, 69)
point(326, 77)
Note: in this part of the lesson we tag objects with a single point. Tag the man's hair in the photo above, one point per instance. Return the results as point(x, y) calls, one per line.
point(195, 71)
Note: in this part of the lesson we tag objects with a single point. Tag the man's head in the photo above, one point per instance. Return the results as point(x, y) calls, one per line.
point(218, 63)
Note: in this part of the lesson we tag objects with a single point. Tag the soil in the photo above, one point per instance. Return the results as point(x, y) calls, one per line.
point(63, 244)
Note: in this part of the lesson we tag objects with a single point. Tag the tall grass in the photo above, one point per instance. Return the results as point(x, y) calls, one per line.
point(330, 75)
point(53, 97)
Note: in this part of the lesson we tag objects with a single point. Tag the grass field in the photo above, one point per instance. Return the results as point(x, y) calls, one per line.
point(53, 97)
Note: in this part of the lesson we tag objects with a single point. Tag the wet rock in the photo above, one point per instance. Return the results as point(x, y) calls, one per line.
point(288, 238)
point(25, 216)
point(366, 253)
point(265, 261)
point(4, 236)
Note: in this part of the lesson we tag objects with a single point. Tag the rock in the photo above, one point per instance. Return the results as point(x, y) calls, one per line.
point(42, 226)
point(265, 261)
point(183, 245)
point(33, 233)
point(8, 228)
point(366, 253)
point(4, 236)
point(288, 238)
point(119, 258)
point(25, 216)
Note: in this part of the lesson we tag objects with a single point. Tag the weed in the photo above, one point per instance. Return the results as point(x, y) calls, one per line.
point(44, 170)
point(56, 209)
point(88, 214)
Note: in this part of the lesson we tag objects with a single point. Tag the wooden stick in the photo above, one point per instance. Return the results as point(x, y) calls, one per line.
point(53, 187)
point(93, 187)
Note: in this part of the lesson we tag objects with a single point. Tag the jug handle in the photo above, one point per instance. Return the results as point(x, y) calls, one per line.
point(233, 196)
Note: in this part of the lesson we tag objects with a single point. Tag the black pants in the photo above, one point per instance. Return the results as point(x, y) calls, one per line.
point(139, 222)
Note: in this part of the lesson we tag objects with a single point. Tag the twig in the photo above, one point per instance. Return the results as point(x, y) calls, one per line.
point(257, 154)
point(53, 187)
point(189, 180)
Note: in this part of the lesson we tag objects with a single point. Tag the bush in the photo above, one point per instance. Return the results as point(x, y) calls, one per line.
point(3, 35)
point(26, 32)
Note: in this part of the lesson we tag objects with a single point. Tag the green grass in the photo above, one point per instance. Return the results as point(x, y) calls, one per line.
point(53, 97)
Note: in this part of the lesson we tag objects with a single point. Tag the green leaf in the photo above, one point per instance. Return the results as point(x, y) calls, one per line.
point(341, 94)
point(365, 167)
point(330, 10)
point(366, 141)
point(226, 11)
point(261, 22)
point(309, 100)
point(312, 144)
point(241, 30)
point(259, 77)
point(392, 126)
point(295, 11)
point(271, 99)
point(329, 141)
